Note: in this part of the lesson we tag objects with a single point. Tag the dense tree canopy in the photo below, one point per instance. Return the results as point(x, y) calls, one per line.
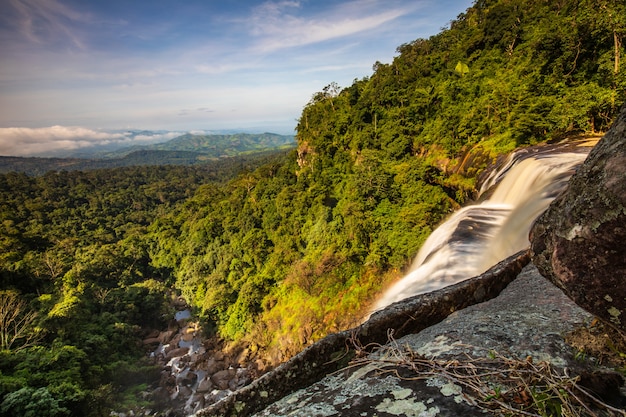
point(280, 255)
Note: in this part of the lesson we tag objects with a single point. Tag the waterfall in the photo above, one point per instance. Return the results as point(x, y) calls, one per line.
point(480, 235)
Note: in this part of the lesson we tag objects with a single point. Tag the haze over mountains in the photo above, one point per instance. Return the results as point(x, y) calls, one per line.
point(186, 149)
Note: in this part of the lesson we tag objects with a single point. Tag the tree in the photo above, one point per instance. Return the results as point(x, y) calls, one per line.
point(17, 329)
point(31, 402)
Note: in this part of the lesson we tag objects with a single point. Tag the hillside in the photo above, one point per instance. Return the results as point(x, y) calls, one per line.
point(287, 252)
point(188, 149)
point(226, 145)
point(216, 146)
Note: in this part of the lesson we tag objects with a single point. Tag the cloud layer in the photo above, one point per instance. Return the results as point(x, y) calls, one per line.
point(55, 140)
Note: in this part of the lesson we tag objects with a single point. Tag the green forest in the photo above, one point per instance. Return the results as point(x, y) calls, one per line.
point(276, 254)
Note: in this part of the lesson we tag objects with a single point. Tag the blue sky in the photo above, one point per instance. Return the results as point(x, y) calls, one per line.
point(70, 67)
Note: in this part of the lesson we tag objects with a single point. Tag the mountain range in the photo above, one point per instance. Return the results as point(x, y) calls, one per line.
point(187, 149)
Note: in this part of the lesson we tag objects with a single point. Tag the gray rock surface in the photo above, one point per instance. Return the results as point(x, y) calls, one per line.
point(529, 319)
point(335, 351)
point(578, 243)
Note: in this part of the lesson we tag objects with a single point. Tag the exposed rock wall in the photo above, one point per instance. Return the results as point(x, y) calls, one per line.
point(579, 243)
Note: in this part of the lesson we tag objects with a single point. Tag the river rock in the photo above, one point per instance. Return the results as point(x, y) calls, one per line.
point(212, 366)
point(166, 336)
point(578, 243)
point(175, 353)
point(187, 378)
point(222, 378)
point(205, 385)
point(151, 341)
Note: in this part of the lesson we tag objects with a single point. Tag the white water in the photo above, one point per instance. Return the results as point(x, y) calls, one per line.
point(478, 236)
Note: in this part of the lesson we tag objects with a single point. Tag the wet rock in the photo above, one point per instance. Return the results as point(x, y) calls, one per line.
point(152, 341)
point(175, 341)
point(196, 403)
point(205, 385)
point(578, 243)
point(168, 381)
point(187, 337)
point(186, 378)
point(212, 366)
point(184, 392)
point(222, 379)
point(165, 337)
point(174, 353)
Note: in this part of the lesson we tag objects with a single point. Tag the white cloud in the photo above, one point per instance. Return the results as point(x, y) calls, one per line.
point(42, 21)
point(23, 141)
point(277, 24)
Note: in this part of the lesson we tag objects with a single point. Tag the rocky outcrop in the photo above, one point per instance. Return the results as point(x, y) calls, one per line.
point(473, 363)
point(335, 351)
point(498, 355)
point(578, 243)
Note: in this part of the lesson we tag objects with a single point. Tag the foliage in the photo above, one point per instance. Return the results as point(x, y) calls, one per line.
point(222, 166)
point(78, 288)
point(214, 146)
point(31, 402)
point(279, 254)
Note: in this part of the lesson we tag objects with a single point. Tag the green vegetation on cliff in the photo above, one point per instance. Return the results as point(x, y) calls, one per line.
point(282, 254)
point(291, 252)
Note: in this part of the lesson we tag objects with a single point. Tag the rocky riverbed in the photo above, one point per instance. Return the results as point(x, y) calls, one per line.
point(196, 371)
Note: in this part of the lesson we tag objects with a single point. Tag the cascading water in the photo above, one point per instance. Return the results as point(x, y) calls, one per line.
point(478, 236)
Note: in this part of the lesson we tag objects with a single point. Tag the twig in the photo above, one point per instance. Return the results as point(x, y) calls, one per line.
point(528, 388)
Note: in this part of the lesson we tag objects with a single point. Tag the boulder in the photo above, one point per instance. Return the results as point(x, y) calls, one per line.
point(151, 341)
point(212, 366)
point(166, 337)
point(178, 352)
point(205, 385)
point(578, 243)
point(222, 378)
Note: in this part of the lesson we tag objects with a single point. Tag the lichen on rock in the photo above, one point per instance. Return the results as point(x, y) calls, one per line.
point(578, 243)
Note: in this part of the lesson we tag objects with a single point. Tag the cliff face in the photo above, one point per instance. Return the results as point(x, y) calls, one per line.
point(460, 351)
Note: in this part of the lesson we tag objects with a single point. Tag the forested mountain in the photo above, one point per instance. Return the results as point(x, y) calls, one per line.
point(222, 145)
point(189, 149)
point(216, 146)
point(224, 167)
point(280, 256)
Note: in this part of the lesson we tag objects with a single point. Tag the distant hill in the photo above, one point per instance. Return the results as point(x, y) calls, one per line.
point(217, 146)
point(187, 149)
